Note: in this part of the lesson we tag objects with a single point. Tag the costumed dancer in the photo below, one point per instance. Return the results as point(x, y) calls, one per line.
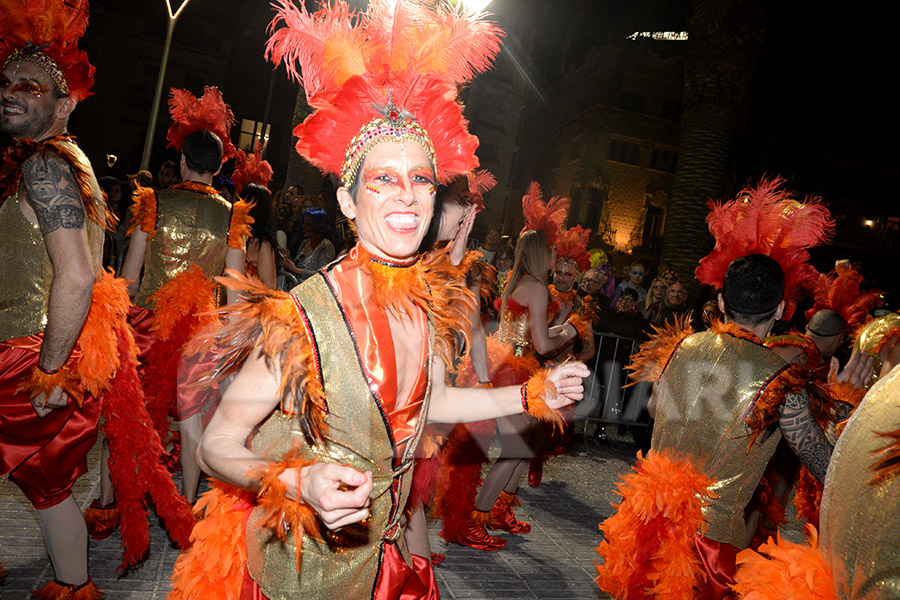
point(182, 237)
point(880, 339)
point(68, 357)
point(840, 309)
point(856, 555)
point(252, 174)
point(524, 331)
point(722, 402)
point(313, 443)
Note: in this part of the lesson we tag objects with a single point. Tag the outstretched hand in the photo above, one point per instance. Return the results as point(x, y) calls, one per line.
point(458, 249)
point(568, 381)
point(338, 493)
point(857, 372)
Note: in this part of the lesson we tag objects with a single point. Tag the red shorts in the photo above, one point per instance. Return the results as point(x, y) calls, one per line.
point(44, 456)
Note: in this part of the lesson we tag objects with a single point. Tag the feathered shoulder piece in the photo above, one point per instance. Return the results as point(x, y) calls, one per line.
point(840, 291)
point(190, 114)
point(46, 33)
point(143, 211)
point(572, 246)
point(241, 224)
point(270, 320)
point(767, 220)
point(887, 459)
point(64, 147)
point(795, 339)
point(649, 363)
point(390, 72)
point(251, 167)
point(546, 217)
point(480, 183)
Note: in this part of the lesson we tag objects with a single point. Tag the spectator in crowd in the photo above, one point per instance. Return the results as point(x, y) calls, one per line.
point(654, 304)
point(169, 173)
point(259, 260)
point(669, 276)
point(635, 277)
point(710, 312)
point(591, 286)
point(490, 246)
point(142, 178)
point(626, 321)
point(503, 262)
point(676, 304)
point(607, 282)
point(316, 250)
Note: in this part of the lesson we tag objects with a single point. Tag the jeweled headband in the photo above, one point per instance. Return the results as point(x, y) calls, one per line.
point(394, 126)
point(34, 55)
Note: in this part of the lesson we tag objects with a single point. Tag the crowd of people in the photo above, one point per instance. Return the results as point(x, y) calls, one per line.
point(335, 392)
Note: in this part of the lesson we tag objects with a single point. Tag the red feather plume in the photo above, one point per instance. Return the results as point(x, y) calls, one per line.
point(251, 168)
point(191, 114)
point(840, 291)
point(56, 25)
point(572, 245)
point(767, 220)
point(410, 53)
point(480, 183)
point(544, 216)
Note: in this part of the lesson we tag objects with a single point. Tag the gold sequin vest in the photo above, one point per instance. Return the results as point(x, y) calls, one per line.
point(342, 565)
point(191, 229)
point(703, 397)
point(25, 269)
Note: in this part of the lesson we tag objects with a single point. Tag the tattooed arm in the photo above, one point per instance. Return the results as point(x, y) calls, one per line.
point(803, 434)
point(52, 194)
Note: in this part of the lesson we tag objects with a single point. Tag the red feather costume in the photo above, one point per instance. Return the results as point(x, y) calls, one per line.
point(251, 168)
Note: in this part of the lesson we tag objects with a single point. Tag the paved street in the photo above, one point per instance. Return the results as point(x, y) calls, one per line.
point(554, 561)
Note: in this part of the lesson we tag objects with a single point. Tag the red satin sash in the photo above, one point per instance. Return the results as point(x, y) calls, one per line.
point(718, 560)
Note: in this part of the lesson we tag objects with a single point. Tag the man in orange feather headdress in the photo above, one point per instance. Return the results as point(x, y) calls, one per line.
point(314, 440)
point(722, 402)
point(68, 356)
point(183, 237)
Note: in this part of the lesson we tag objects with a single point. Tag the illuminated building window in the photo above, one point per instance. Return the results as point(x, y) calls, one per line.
point(251, 131)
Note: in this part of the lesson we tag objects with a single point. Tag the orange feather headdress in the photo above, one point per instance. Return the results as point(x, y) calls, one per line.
point(547, 217)
point(46, 33)
point(767, 220)
point(251, 168)
point(191, 114)
point(390, 73)
point(480, 183)
point(840, 291)
point(572, 246)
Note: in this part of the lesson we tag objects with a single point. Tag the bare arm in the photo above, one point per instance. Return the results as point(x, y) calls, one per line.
point(339, 494)
point(464, 405)
point(134, 260)
point(651, 404)
point(234, 260)
point(803, 434)
point(265, 264)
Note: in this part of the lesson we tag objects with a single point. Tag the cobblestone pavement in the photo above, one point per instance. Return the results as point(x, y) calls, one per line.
point(555, 560)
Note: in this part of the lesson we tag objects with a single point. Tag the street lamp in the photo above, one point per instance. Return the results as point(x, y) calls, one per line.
point(160, 80)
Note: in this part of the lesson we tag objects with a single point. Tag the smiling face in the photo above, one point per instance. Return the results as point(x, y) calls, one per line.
point(454, 210)
point(590, 283)
point(395, 201)
point(29, 109)
point(564, 276)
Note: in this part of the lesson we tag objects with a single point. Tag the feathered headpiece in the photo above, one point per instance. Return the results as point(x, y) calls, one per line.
point(251, 168)
point(46, 33)
point(480, 183)
point(839, 291)
point(389, 74)
point(544, 216)
point(191, 114)
point(572, 246)
point(767, 220)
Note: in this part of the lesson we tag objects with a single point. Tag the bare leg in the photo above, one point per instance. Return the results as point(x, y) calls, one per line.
point(417, 534)
point(107, 493)
point(191, 431)
point(66, 538)
point(516, 435)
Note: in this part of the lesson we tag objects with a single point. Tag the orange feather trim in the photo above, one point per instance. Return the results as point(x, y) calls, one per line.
point(41, 383)
point(536, 389)
point(790, 571)
point(53, 590)
point(734, 330)
point(239, 230)
point(100, 357)
point(188, 293)
point(888, 459)
point(796, 339)
point(143, 212)
point(281, 513)
point(808, 497)
point(271, 320)
point(482, 517)
point(582, 325)
point(489, 281)
point(214, 567)
point(649, 363)
point(648, 545)
point(765, 410)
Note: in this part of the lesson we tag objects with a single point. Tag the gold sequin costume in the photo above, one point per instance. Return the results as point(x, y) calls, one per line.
point(25, 269)
point(873, 336)
point(514, 330)
point(703, 398)
point(860, 523)
point(191, 228)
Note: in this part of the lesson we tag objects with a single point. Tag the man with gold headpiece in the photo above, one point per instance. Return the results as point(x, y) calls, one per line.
point(722, 401)
point(337, 378)
point(184, 236)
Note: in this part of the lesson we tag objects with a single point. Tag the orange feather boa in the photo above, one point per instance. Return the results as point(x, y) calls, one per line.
point(648, 363)
point(239, 230)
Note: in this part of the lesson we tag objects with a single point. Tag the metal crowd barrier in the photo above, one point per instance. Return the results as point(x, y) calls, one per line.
point(607, 400)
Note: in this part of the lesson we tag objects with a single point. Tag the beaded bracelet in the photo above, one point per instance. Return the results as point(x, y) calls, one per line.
point(47, 371)
point(524, 394)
